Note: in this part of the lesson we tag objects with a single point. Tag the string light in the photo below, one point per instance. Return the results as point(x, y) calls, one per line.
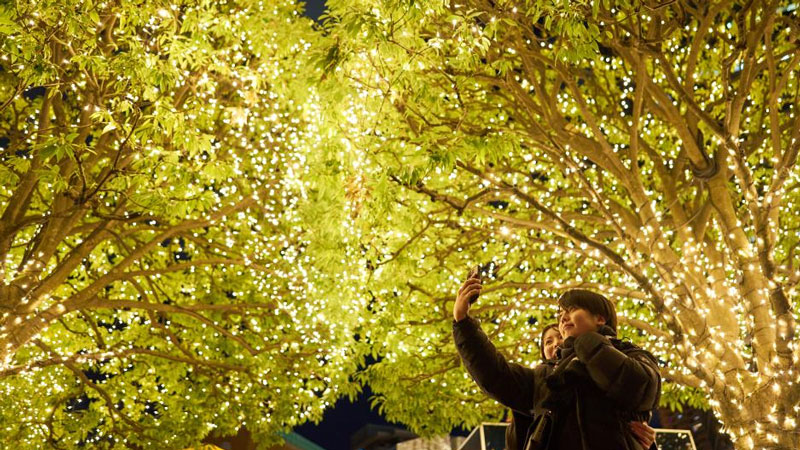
point(172, 272)
point(626, 172)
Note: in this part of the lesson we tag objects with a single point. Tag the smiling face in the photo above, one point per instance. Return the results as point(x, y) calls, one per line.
point(550, 342)
point(577, 321)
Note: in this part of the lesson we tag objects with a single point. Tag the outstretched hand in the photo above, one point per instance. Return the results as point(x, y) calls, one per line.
point(467, 295)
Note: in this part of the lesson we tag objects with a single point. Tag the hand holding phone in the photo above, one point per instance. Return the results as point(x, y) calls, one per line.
point(467, 294)
point(475, 273)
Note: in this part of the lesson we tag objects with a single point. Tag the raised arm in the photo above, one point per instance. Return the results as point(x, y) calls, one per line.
point(508, 383)
point(630, 379)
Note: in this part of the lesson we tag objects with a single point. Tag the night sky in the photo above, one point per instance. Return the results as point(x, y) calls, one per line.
point(340, 422)
point(314, 8)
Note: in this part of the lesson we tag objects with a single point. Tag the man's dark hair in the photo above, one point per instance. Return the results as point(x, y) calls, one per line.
point(590, 301)
point(541, 338)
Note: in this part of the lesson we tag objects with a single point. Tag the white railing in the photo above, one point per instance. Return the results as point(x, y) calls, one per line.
point(491, 436)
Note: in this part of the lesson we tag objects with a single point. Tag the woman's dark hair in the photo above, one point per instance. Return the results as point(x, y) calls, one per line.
point(541, 338)
point(590, 301)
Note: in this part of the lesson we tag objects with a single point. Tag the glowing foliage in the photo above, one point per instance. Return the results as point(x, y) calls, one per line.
point(158, 279)
point(646, 150)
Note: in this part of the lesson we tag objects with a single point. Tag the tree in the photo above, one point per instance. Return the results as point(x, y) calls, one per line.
point(163, 270)
point(643, 149)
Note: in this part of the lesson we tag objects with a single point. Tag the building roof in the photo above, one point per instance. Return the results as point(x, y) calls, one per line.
point(295, 440)
point(372, 436)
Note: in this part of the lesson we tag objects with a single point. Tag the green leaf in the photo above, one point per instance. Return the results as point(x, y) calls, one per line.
point(19, 164)
point(94, 17)
point(110, 126)
point(8, 24)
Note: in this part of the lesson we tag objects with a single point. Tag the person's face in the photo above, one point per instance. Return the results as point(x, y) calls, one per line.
point(574, 322)
point(552, 339)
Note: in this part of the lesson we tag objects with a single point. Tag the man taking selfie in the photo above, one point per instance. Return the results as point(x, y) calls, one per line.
point(588, 398)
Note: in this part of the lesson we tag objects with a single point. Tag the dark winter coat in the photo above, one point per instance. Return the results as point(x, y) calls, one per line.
point(587, 400)
point(523, 423)
point(518, 429)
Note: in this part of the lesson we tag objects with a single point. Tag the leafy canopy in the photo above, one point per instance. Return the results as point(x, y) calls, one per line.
point(164, 271)
point(646, 150)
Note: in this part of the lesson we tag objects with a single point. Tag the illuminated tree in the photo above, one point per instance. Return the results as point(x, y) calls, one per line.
point(643, 149)
point(163, 272)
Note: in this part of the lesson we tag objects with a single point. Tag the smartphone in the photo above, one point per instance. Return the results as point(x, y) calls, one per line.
point(475, 271)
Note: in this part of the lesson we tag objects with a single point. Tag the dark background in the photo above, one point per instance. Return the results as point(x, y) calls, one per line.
point(340, 422)
point(314, 8)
